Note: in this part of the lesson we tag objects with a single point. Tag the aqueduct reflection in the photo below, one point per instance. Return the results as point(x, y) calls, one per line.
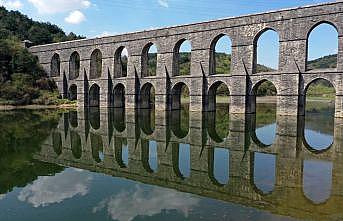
point(219, 161)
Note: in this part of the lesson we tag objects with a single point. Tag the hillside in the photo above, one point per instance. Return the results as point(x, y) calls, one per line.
point(14, 24)
point(329, 61)
point(22, 80)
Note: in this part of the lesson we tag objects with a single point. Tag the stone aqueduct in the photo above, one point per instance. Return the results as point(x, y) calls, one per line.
point(90, 67)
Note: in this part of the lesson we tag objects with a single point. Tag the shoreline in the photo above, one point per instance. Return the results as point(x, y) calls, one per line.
point(36, 107)
point(220, 100)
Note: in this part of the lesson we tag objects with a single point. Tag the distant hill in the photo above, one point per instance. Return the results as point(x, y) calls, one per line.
point(329, 61)
point(15, 24)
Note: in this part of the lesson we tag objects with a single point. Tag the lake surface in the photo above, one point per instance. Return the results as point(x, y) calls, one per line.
point(114, 164)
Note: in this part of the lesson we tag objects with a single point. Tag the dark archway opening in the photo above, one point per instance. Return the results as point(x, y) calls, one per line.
point(73, 118)
point(94, 96)
point(55, 66)
point(74, 66)
point(147, 100)
point(72, 93)
point(118, 99)
point(96, 64)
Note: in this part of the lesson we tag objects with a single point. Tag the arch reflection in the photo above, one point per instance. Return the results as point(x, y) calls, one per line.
point(317, 180)
point(149, 155)
point(121, 151)
point(181, 156)
point(219, 165)
point(264, 172)
point(180, 122)
point(218, 124)
point(97, 147)
point(76, 145)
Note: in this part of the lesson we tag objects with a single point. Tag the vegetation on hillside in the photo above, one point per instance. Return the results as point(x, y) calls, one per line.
point(15, 24)
point(22, 81)
point(329, 61)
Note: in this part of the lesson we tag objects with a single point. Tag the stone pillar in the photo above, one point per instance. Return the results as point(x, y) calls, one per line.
point(241, 68)
point(292, 62)
point(83, 85)
point(132, 86)
point(164, 69)
point(340, 54)
point(339, 99)
point(240, 173)
point(199, 70)
point(105, 90)
point(288, 95)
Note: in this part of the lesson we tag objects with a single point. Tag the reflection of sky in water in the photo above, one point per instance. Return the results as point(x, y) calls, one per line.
point(81, 195)
point(221, 165)
point(318, 140)
point(101, 156)
point(185, 159)
point(138, 201)
point(317, 180)
point(264, 171)
point(153, 163)
point(55, 189)
point(319, 129)
point(266, 134)
point(125, 154)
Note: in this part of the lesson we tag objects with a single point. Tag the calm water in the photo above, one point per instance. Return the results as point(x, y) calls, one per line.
point(112, 165)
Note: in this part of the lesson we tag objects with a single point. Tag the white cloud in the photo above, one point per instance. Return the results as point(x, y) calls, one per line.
point(163, 3)
point(56, 6)
point(125, 206)
point(75, 17)
point(54, 189)
point(12, 5)
point(105, 34)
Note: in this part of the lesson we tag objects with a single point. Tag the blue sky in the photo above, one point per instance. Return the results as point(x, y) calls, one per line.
point(93, 18)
